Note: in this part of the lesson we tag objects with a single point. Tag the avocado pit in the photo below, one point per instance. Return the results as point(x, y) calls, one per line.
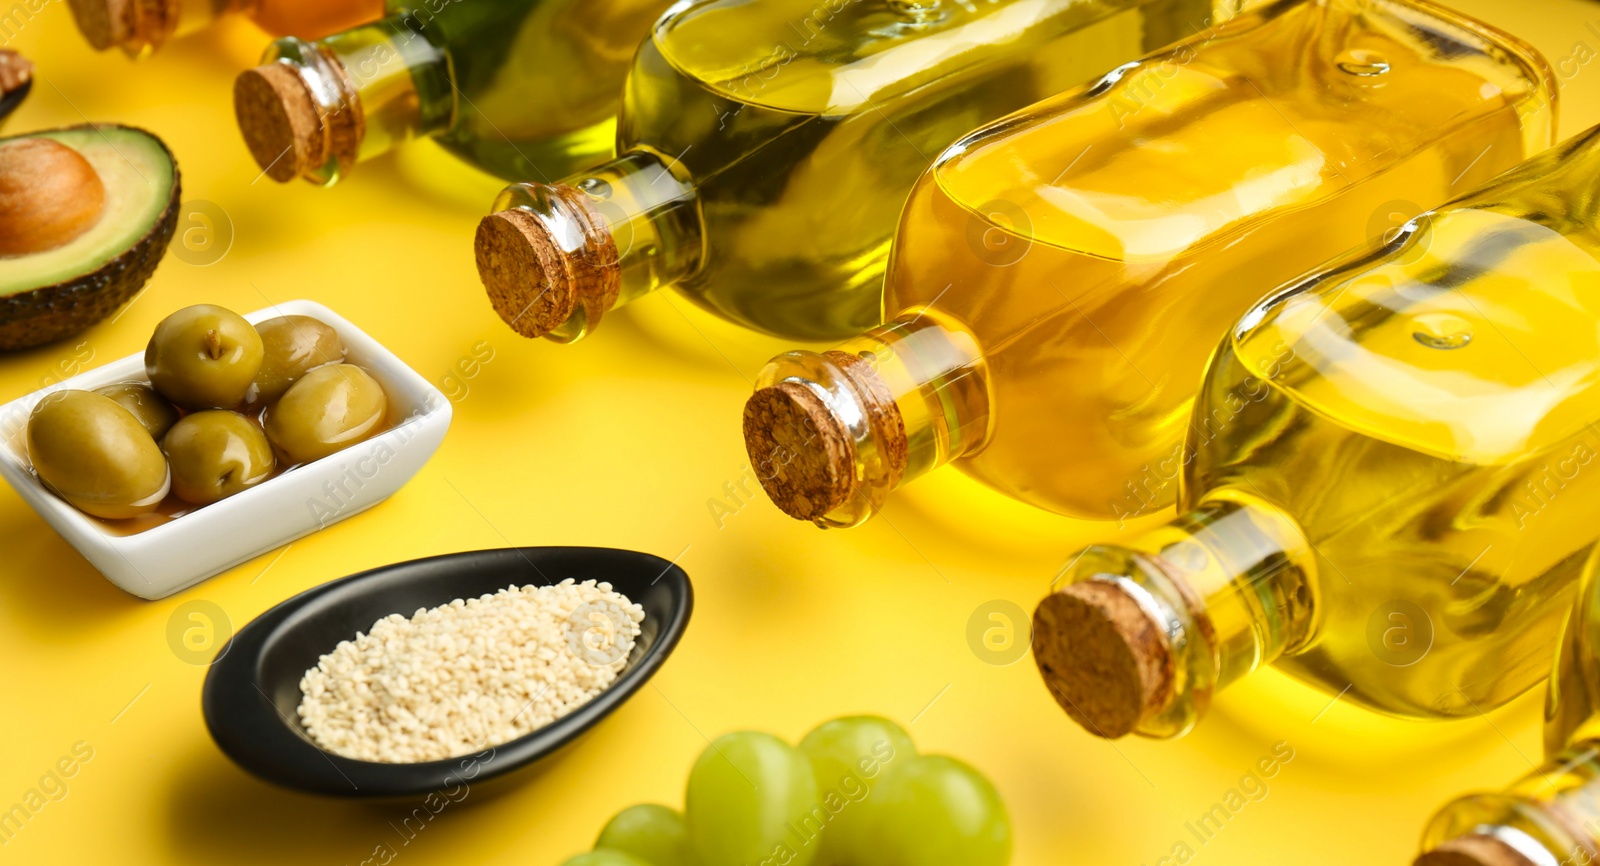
point(49, 194)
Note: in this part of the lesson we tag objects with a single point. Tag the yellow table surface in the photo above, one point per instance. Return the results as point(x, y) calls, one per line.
point(629, 439)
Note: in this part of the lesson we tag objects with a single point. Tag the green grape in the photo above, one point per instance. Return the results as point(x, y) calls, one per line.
point(605, 857)
point(750, 797)
point(936, 811)
point(652, 833)
point(850, 755)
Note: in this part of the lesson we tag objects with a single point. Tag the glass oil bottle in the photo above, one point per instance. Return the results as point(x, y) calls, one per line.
point(1390, 483)
point(1551, 816)
point(139, 27)
point(523, 89)
point(766, 149)
point(1060, 277)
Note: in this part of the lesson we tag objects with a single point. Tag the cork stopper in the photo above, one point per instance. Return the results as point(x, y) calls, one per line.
point(800, 451)
point(279, 120)
point(805, 456)
point(536, 285)
point(1473, 850)
point(1106, 660)
point(128, 24)
point(104, 23)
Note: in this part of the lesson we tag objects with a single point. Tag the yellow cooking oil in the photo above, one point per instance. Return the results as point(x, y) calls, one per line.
point(766, 148)
point(1073, 266)
point(141, 28)
point(1391, 472)
point(523, 89)
point(1552, 814)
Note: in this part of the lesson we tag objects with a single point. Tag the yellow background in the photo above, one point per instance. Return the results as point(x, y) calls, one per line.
point(625, 440)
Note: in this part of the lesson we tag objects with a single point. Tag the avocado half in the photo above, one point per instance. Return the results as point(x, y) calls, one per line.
point(52, 293)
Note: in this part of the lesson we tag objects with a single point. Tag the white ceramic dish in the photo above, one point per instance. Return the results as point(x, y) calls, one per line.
point(207, 541)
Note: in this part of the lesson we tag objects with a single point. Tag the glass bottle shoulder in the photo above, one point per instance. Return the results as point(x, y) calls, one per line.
point(834, 57)
point(1264, 113)
point(1474, 336)
point(502, 30)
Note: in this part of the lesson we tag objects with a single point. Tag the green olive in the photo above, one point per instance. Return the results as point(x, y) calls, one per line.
point(329, 409)
point(293, 346)
point(151, 409)
point(203, 357)
point(96, 455)
point(215, 454)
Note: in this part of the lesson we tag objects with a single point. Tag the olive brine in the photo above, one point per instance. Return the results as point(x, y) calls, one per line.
point(227, 405)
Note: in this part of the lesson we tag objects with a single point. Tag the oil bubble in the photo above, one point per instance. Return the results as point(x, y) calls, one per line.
point(1361, 62)
point(1441, 330)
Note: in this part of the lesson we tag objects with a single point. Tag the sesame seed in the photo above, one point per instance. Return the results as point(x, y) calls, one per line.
point(468, 675)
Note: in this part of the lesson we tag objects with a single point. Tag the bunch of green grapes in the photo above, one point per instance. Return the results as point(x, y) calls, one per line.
point(853, 793)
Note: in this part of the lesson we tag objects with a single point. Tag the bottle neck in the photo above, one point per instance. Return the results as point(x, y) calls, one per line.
point(554, 257)
point(1550, 817)
point(1137, 638)
point(139, 27)
point(362, 92)
point(831, 434)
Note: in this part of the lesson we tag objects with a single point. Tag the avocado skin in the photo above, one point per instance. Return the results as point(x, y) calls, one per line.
point(54, 312)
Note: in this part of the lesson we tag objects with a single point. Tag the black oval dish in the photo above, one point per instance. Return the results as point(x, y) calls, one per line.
point(10, 101)
point(253, 688)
